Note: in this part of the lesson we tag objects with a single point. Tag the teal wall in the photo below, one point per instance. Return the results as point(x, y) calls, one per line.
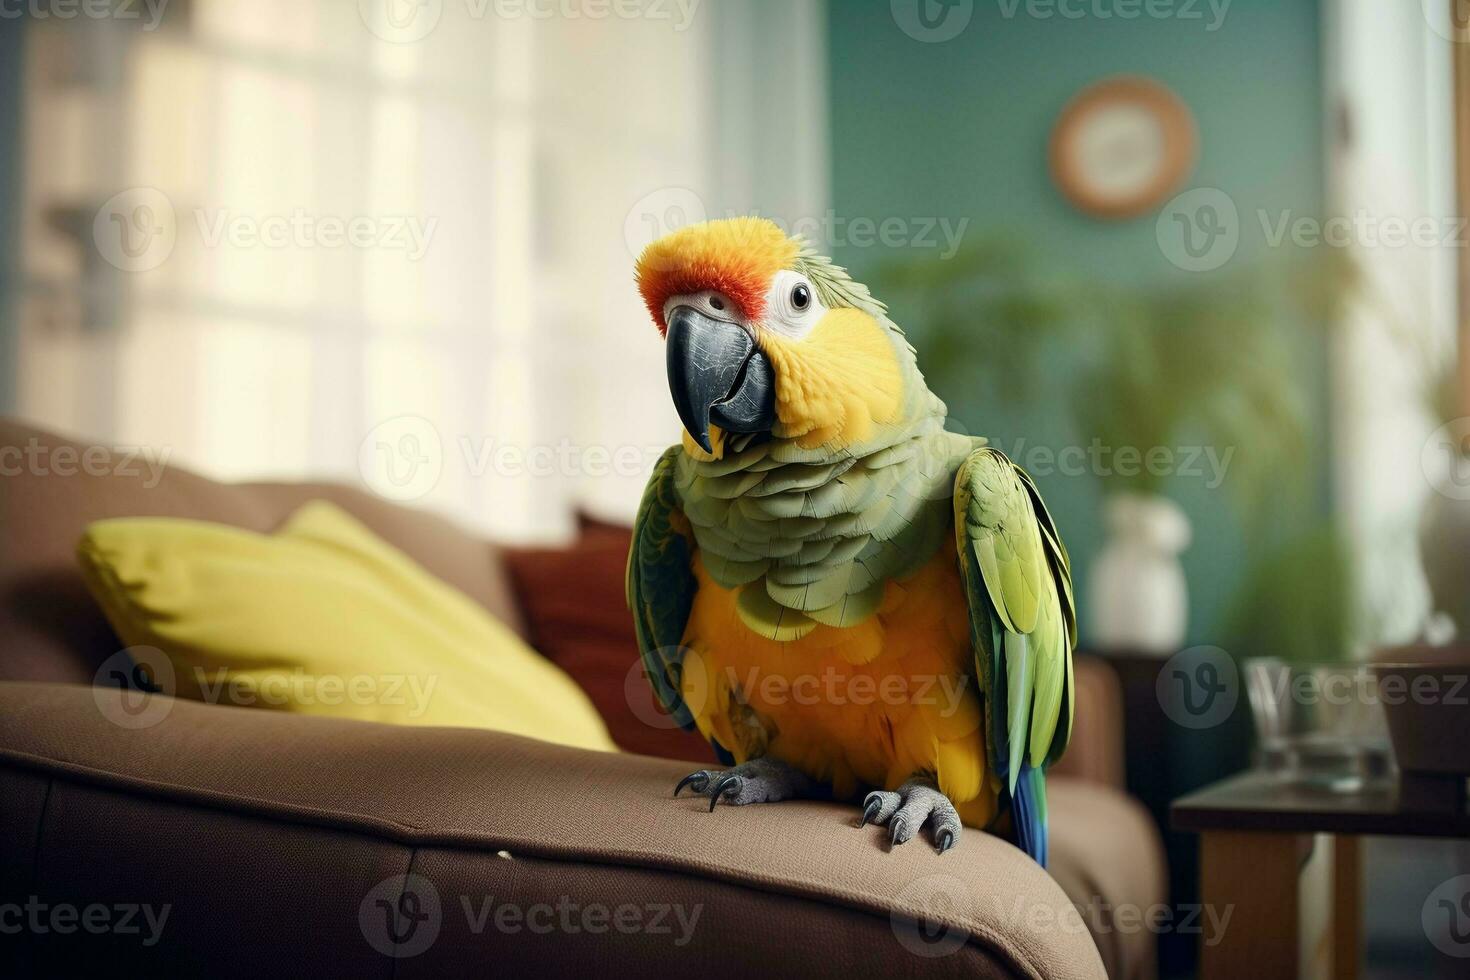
point(959, 129)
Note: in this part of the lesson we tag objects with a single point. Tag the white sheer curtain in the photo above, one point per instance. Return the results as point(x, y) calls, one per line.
point(289, 239)
point(1389, 73)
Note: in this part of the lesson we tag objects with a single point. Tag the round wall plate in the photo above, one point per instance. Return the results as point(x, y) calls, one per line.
point(1121, 146)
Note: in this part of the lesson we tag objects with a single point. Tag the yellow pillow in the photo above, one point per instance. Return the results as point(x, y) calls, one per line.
point(324, 618)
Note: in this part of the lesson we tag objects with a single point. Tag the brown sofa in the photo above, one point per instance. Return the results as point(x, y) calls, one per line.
point(276, 843)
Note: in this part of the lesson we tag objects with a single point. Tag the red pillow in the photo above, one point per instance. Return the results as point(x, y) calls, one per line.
point(577, 616)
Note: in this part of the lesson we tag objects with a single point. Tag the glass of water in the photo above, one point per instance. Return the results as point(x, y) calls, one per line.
point(1318, 724)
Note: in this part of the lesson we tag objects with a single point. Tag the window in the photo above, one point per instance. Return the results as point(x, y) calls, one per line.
point(272, 241)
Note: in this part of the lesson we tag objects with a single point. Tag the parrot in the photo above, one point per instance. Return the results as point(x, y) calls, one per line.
point(848, 600)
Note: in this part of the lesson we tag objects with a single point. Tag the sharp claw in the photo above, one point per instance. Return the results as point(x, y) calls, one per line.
point(945, 840)
point(899, 835)
point(870, 811)
point(689, 779)
point(729, 785)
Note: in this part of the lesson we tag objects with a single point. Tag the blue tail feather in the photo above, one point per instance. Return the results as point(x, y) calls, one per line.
point(1028, 812)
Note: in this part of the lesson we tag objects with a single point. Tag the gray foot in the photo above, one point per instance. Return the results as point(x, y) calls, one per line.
point(756, 781)
point(916, 803)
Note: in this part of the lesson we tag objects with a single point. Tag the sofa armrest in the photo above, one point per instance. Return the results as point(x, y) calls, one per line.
point(1096, 750)
point(275, 839)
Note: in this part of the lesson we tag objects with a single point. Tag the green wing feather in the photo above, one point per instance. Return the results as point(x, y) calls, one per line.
point(1061, 568)
point(661, 585)
point(1018, 583)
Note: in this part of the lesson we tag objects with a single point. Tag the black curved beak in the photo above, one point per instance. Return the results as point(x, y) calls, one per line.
point(717, 375)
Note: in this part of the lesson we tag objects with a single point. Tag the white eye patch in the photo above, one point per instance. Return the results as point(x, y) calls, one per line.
point(792, 306)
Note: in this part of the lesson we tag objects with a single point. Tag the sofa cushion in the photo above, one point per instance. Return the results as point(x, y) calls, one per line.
point(792, 889)
point(1107, 855)
point(323, 617)
point(576, 613)
point(51, 488)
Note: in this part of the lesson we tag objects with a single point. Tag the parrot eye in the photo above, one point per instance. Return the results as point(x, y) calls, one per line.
point(792, 305)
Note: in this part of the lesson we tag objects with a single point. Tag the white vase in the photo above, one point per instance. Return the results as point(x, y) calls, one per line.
point(1137, 599)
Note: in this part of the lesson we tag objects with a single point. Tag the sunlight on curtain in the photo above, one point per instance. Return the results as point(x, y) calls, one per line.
point(488, 307)
point(1393, 73)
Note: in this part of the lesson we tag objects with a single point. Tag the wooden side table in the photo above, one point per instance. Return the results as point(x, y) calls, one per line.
point(1164, 761)
point(1257, 833)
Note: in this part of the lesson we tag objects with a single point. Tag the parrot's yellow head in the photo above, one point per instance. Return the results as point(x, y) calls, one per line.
point(765, 336)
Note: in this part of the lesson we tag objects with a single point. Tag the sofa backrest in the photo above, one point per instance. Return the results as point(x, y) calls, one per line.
point(51, 488)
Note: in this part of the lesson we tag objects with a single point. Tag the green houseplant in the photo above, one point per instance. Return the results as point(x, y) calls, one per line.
point(1212, 363)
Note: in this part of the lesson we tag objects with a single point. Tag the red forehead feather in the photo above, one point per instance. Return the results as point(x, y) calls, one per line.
point(736, 256)
point(744, 289)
